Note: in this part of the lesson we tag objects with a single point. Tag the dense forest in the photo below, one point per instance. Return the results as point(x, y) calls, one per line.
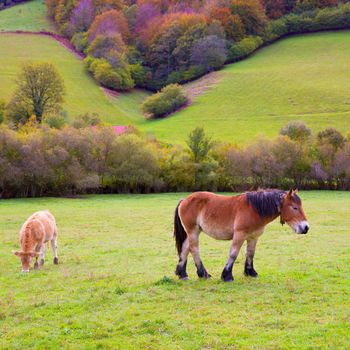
point(153, 43)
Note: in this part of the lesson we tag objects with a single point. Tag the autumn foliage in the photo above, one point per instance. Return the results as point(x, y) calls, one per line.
point(163, 37)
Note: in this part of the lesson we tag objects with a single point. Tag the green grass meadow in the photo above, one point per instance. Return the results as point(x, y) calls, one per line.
point(115, 286)
point(28, 16)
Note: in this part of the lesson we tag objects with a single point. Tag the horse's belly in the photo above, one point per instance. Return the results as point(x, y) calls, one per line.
point(218, 232)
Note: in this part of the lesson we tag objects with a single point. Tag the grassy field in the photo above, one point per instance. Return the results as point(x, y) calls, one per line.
point(115, 289)
point(29, 16)
point(83, 94)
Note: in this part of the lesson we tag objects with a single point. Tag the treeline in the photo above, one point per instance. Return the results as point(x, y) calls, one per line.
point(153, 43)
point(7, 3)
point(38, 161)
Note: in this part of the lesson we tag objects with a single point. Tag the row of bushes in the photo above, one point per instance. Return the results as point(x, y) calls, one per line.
point(329, 18)
point(43, 161)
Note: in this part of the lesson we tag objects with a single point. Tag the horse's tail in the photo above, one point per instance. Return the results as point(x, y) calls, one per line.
point(180, 234)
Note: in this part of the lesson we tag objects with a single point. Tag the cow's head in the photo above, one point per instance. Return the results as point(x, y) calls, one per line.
point(26, 259)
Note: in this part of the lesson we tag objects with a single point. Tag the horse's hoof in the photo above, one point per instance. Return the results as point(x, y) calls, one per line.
point(36, 265)
point(55, 261)
point(42, 262)
point(251, 273)
point(184, 278)
point(228, 280)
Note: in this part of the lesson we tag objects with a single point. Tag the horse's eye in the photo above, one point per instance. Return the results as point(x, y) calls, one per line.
point(295, 208)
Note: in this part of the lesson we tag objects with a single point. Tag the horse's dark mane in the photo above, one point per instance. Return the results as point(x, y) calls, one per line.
point(266, 202)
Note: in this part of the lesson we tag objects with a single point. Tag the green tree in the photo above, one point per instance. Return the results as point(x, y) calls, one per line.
point(199, 144)
point(40, 89)
point(2, 111)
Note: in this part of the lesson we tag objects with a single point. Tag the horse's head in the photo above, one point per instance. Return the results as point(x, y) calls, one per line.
point(26, 259)
point(293, 214)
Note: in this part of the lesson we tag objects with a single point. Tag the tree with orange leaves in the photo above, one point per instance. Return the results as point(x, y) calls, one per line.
point(108, 23)
point(232, 23)
point(251, 13)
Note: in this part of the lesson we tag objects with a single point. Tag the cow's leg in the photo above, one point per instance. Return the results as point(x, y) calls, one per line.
point(42, 254)
point(37, 250)
point(54, 248)
point(234, 251)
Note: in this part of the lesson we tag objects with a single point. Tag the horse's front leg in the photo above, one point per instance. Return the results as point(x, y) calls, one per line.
point(234, 251)
point(250, 251)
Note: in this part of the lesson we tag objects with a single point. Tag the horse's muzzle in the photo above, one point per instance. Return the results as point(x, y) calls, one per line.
point(303, 228)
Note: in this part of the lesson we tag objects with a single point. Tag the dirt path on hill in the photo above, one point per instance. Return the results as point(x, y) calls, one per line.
point(201, 85)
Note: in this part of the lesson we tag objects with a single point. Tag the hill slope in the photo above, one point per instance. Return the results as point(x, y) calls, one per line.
point(83, 94)
point(30, 16)
point(299, 78)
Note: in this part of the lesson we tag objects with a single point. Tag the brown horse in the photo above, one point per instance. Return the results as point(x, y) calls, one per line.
point(38, 229)
point(237, 218)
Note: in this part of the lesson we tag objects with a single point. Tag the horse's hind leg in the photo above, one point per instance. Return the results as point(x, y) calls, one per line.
point(250, 251)
point(181, 266)
point(234, 251)
point(194, 249)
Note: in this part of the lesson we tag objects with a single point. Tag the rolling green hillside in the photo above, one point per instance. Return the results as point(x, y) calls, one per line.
point(83, 94)
point(29, 16)
point(299, 78)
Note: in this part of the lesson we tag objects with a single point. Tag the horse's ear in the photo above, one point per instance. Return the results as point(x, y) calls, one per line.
point(295, 190)
point(290, 193)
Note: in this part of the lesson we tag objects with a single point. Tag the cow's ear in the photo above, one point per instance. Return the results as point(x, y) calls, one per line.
point(34, 254)
point(16, 253)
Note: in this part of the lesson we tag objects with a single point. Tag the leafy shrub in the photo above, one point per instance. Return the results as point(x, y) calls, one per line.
point(2, 111)
point(85, 120)
point(56, 120)
point(168, 100)
point(139, 74)
point(244, 48)
point(80, 41)
point(296, 131)
point(104, 73)
point(275, 30)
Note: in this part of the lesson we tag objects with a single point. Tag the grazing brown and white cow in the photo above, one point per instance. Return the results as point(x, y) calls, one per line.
point(35, 232)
